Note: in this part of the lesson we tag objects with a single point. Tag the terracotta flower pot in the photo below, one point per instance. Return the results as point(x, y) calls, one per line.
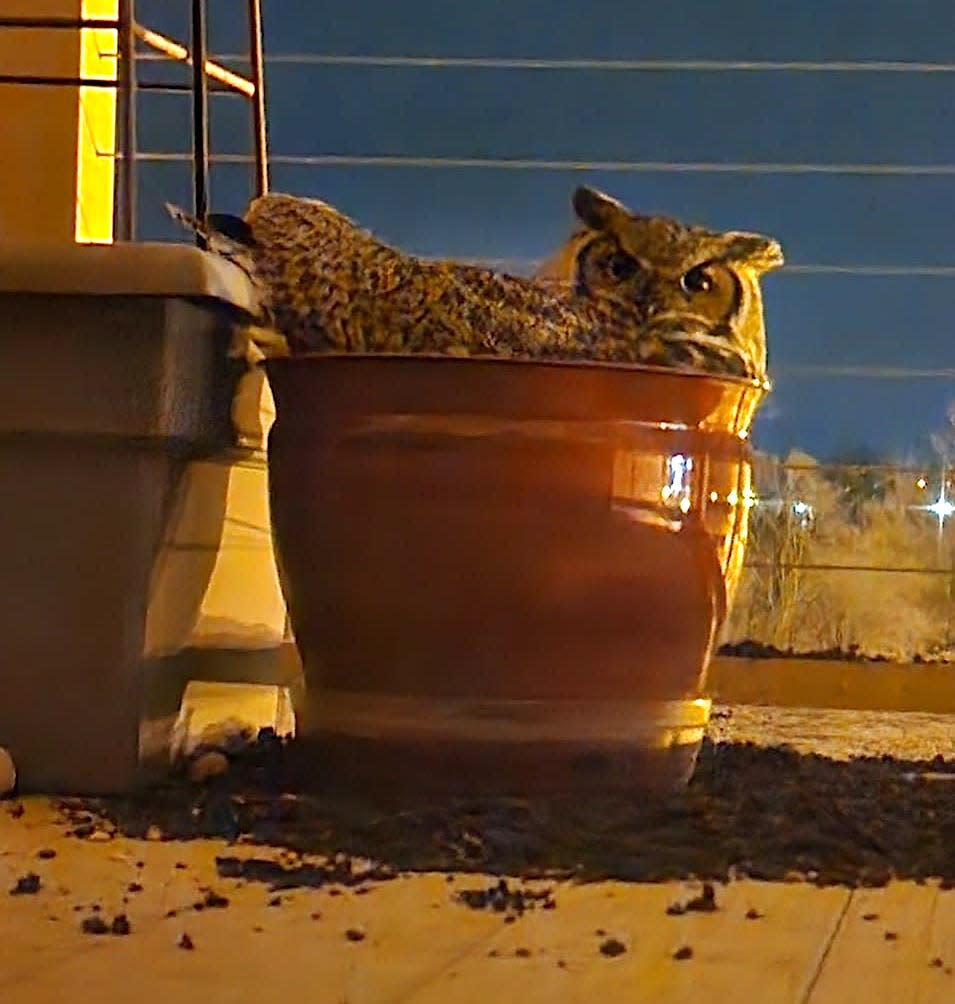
point(507, 575)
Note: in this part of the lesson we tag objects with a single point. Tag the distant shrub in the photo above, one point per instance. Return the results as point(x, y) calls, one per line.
point(832, 563)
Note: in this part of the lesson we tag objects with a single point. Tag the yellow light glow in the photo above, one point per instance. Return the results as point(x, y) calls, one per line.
point(920, 483)
point(732, 498)
point(714, 496)
point(96, 133)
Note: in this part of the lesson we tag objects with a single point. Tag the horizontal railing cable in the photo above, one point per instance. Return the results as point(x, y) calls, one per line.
point(607, 65)
point(547, 164)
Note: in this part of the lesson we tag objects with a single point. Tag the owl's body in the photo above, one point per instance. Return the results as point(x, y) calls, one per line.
point(328, 286)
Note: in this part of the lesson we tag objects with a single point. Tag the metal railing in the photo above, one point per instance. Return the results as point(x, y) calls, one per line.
point(127, 85)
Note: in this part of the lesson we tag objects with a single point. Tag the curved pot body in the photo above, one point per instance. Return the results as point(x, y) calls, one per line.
point(514, 571)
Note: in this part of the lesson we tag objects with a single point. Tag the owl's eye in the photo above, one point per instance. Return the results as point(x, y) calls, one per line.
point(622, 266)
point(698, 280)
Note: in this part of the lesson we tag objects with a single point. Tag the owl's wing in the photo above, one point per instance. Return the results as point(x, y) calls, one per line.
point(231, 238)
point(225, 234)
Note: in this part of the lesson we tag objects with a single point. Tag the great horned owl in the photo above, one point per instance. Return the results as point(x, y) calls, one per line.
point(698, 291)
point(624, 289)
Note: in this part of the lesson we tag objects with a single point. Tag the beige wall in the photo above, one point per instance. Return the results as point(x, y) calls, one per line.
point(38, 127)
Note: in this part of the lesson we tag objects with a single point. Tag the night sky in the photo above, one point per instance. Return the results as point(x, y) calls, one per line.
point(896, 328)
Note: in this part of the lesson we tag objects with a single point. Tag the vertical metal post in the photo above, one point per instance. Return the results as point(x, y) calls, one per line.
point(258, 99)
point(200, 114)
point(126, 72)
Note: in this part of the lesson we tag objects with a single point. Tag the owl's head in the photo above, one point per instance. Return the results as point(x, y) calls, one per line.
point(694, 291)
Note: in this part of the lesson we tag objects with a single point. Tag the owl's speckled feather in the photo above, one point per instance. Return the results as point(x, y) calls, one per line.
point(328, 286)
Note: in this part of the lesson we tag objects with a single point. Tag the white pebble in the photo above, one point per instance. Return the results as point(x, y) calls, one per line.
point(8, 773)
point(208, 765)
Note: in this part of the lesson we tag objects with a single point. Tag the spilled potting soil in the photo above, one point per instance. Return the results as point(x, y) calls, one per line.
point(766, 813)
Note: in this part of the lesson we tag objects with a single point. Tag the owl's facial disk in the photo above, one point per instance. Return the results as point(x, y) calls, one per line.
point(694, 289)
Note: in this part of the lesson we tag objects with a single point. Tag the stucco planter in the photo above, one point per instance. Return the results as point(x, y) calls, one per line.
point(116, 376)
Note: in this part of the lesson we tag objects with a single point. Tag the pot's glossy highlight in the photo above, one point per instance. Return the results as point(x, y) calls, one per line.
point(507, 575)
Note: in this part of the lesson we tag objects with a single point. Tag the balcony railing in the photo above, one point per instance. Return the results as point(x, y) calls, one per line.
point(127, 85)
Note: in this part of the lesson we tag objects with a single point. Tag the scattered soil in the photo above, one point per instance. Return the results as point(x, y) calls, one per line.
point(767, 813)
point(685, 952)
point(94, 925)
point(338, 870)
point(612, 948)
point(214, 901)
point(503, 897)
point(27, 885)
point(749, 649)
point(705, 902)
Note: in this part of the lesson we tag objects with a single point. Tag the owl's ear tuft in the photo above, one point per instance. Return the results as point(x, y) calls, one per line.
point(597, 210)
point(754, 250)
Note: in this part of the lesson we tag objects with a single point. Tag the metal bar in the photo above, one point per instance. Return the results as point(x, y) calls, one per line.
point(260, 139)
point(127, 124)
point(27, 78)
point(173, 50)
point(200, 115)
point(146, 85)
point(57, 22)
point(156, 85)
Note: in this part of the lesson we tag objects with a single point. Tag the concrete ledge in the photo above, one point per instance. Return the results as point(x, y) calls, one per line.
point(133, 367)
point(147, 269)
point(824, 683)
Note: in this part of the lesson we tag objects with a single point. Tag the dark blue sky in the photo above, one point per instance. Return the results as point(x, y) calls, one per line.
point(626, 117)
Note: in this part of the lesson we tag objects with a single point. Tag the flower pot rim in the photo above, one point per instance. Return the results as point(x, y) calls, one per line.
point(279, 362)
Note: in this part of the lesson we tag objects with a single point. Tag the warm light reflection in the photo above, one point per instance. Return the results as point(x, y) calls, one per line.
point(179, 52)
point(96, 132)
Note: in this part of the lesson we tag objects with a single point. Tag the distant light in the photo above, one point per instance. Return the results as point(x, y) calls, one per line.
point(942, 508)
point(921, 483)
point(732, 498)
point(714, 496)
point(805, 513)
point(685, 504)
